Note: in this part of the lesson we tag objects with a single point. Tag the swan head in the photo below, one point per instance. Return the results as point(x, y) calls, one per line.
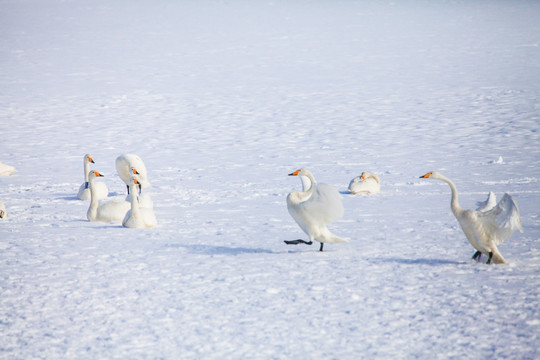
point(432, 175)
point(94, 174)
point(88, 158)
point(301, 172)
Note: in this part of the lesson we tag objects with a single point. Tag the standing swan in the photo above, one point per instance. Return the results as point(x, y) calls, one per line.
point(124, 165)
point(313, 209)
point(137, 216)
point(84, 190)
point(367, 183)
point(109, 211)
point(484, 229)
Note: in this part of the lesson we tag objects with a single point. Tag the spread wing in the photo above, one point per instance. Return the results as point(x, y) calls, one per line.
point(501, 221)
point(324, 205)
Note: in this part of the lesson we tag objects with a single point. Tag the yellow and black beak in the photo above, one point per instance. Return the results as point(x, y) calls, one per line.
point(91, 160)
point(294, 173)
point(425, 176)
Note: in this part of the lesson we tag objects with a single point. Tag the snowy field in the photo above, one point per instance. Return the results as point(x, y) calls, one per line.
point(223, 99)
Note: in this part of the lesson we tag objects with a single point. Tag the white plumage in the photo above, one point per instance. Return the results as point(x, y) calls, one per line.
point(84, 190)
point(3, 211)
point(488, 204)
point(485, 229)
point(124, 166)
point(6, 170)
point(315, 208)
point(106, 211)
point(138, 216)
point(366, 183)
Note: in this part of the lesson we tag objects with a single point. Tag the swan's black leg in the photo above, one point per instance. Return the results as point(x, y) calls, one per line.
point(140, 189)
point(127, 188)
point(296, 242)
point(322, 244)
point(489, 258)
point(477, 255)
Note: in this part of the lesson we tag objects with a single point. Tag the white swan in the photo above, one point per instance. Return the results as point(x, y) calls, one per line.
point(124, 165)
point(484, 230)
point(367, 183)
point(6, 170)
point(3, 211)
point(108, 211)
point(315, 208)
point(138, 216)
point(84, 190)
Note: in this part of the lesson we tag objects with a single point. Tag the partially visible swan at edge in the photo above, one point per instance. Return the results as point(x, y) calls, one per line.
point(315, 208)
point(3, 211)
point(124, 165)
point(138, 216)
point(367, 183)
point(84, 190)
point(106, 211)
point(6, 170)
point(484, 229)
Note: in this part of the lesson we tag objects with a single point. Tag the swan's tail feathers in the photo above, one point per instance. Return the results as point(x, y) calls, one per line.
point(335, 239)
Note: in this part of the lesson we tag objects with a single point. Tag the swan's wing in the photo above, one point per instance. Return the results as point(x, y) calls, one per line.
point(502, 220)
point(324, 205)
point(488, 204)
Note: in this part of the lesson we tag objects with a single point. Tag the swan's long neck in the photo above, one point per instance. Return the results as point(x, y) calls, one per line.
point(86, 170)
point(307, 183)
point(92, 209)
point(454, 202)
point(135, 211)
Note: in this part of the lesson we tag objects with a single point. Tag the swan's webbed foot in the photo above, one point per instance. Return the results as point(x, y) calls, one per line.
point(477, 255)
point(320, 249)
point(296, 242)
point(489, 257)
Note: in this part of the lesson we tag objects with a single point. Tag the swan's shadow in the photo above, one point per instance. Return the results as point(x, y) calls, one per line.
point(421, 261)
point(220, 250)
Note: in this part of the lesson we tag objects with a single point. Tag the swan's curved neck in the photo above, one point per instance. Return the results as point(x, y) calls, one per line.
point(86, 170)
point(134, 201)
point(375, 177)
point(307, 182)
point(92, 209)
point(454, 202)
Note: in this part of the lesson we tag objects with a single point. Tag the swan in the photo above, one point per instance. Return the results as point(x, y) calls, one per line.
point(367, 183)
point(6, 170)
point(124, 165)
point(138, 216)
point(108, 211)
point(3, 212)
point(84, 190)
point(484, 229)
point(315, 208)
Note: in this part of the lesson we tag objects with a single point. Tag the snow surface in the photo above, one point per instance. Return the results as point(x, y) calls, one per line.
point(222, 99)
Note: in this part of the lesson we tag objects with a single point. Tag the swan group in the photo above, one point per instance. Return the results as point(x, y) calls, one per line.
point(314, 208)
point(485, 228)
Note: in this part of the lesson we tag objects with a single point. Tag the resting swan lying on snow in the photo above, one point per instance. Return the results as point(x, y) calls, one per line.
point(367, 183)
point(484, 229)
point(84, 190)
point(315, 208)
point(107, 211)
point(138, 216)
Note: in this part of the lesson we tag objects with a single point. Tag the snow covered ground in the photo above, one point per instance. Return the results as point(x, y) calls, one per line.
point(222, 99)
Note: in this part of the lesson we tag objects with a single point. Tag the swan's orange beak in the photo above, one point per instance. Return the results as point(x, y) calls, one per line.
point(135, 172)
point(294, 173)
point(363, 177)
point(135, 181)
point(425, 176)
point(91, 160)
point(97, 173)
